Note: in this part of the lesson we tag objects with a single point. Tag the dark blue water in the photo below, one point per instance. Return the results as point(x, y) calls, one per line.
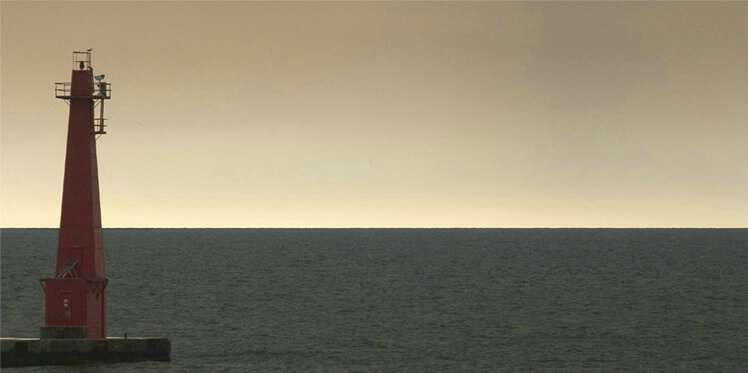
point(410, 300)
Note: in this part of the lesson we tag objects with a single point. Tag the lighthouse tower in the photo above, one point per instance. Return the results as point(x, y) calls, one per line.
point(75, 318)
point(75, 296)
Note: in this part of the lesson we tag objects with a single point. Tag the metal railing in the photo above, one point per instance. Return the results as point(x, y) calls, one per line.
point(101, 90)
point(81, 60)
point(100, 126)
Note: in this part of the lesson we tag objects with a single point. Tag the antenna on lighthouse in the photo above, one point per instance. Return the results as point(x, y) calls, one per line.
point(102, 93)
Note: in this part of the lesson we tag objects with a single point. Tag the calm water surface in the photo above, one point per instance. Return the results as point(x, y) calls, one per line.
point(410, 300)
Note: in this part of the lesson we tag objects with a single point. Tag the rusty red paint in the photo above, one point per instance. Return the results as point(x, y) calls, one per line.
point(76, 295)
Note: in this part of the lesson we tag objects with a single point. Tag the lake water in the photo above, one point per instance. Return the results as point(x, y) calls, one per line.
point(409, 300)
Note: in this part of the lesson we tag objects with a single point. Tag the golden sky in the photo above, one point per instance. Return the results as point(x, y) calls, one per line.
point(386, 114)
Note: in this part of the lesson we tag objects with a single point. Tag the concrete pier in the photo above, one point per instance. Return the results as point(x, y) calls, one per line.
point(18, 352)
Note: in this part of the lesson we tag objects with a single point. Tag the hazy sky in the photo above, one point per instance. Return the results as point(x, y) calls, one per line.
point(392, 114)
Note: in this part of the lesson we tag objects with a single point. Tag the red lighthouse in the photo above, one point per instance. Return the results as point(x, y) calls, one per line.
point(75, 297)
point(75, 319)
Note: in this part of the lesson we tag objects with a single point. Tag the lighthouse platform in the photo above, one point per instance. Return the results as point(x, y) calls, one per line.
point(21, 352)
